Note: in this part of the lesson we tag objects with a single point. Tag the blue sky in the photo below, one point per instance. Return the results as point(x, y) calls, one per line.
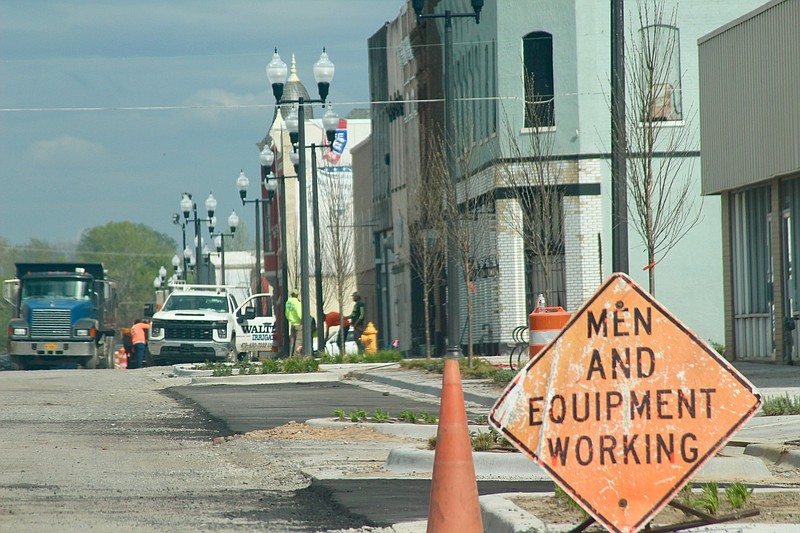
point(110, 109)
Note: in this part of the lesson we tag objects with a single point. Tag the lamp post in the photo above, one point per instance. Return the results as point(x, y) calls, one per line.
point(242, 183)
point(330, 122)
point(295, 123)
point(219, 240)
point(177, 220)
point(188, 206)
point(267, 158)
point(176, 262)
point(453, 342)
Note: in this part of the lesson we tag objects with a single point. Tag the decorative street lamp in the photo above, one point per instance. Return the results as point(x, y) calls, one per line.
point(242, 183)
point(453, 341)
point(188, 206)
point(277, 73)
point(175, 264)
point(219, 240)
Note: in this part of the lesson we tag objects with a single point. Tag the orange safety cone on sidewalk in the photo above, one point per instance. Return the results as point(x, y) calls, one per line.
point(453, 506)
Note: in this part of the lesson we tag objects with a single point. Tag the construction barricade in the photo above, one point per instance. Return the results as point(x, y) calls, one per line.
point(121, 359)
point(545, 323)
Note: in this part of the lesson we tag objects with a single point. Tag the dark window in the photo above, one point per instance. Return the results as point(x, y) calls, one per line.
point(537, 51)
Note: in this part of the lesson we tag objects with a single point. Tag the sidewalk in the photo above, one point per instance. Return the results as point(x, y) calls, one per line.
point(760, 445)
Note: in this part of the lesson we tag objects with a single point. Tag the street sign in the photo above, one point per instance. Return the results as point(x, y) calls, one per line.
point(624, 405)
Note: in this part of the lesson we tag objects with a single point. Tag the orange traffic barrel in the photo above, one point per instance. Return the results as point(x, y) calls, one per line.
point(121, 359)
point(545, 323)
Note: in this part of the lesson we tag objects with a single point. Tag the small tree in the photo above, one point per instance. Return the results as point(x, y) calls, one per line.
point(659, 179)
point(336, 220)
point(532, 172)
point(463, 221)
point(427, 235)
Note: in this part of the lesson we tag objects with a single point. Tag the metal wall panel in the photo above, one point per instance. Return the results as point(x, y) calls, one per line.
point(750, 98)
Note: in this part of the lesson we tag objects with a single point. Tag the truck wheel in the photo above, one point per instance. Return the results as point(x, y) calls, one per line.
point(90, 363)
point(231, 357)
point(107, 359)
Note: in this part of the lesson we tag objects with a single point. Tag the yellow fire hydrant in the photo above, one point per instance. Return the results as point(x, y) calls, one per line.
point(369, 338)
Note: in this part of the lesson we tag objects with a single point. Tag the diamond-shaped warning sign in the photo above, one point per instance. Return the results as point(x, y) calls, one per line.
point(624, 405)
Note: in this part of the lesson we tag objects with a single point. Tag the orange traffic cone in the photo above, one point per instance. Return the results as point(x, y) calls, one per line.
point(453, 506)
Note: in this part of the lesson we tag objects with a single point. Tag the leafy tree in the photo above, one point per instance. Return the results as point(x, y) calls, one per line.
point(241, 240)
point(132, 254)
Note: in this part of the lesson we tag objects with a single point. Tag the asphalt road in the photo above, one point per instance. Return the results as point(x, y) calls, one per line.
point(381, 502)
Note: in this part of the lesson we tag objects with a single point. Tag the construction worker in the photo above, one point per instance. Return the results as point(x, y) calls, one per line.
point(357, 319)
point(139, 340)
point(294, 314)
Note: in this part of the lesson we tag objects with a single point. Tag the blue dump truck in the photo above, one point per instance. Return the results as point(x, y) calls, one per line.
point(63, 313)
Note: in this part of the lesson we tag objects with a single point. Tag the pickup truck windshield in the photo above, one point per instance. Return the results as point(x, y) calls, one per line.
point(194, 302)
point(73, 289)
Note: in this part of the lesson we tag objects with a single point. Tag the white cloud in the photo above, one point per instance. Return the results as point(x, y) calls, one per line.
point(65, 150)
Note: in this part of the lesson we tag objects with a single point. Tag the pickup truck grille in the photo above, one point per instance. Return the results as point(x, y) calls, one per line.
point(188, 331)
point(54, 323)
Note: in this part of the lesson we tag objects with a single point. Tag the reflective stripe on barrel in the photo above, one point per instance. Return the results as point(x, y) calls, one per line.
point(545, 325)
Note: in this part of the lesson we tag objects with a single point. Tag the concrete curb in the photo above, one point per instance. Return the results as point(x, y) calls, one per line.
point(779, 454)
point(399, 429)
point(424, 388)
point(488, 465)
point(261, 379)
point(501, 515)
point(326, 373)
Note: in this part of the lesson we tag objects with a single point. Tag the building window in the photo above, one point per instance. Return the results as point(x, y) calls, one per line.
point(537, 53)
point(752, 272)
point(660, 73)
point(544, 248)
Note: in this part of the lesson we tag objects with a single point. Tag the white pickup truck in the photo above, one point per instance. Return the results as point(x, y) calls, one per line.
point(200, 323)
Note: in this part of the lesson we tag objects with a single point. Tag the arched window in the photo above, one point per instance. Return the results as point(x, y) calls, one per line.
point(660, 73)
point(537, 53)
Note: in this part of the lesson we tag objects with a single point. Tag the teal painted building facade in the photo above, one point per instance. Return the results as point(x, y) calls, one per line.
point(567, 43)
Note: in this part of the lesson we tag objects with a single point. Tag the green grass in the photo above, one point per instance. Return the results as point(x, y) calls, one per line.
point(290, 365)
point(409, 416)
point(567, 500)
point(738, 494)
point(383, 356)
point(358, 415)
point(709, 498)
point(380, 416)
point(781, 405)
point(481, 441)
point(481, 369)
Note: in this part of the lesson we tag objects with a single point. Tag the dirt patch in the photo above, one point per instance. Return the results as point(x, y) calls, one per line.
point(302, 431)
point(781, 507)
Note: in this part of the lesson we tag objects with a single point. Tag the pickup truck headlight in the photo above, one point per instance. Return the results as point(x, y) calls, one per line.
point(221, 329)
point(157, 331)
point(19, 332)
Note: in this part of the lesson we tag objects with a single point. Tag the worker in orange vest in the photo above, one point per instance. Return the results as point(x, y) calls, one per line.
point(139, 338)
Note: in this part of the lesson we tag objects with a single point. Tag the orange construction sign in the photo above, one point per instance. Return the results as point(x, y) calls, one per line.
point(624, 405)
